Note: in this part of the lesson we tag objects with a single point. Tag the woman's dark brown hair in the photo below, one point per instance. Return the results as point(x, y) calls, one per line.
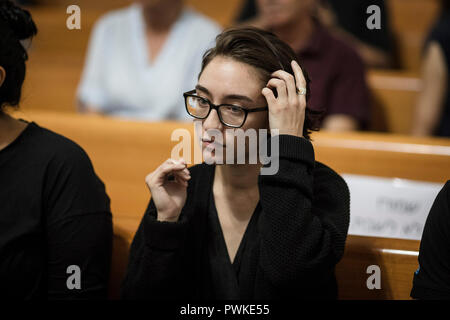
point(267, 53)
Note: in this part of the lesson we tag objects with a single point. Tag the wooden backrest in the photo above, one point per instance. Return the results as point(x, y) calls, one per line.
point(393, 97)
point(385, 155)
point(395, 258)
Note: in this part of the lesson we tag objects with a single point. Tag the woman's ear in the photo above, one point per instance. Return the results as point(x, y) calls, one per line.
point(2, 75)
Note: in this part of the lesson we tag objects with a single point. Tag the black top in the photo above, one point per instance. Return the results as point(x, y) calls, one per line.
point(228, 279)
point(441, 34)
point(54, 213)
point(432, 278)
point(299, 237)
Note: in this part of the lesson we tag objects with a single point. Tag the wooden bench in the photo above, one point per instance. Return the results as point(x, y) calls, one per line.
point(124, 152)
point(396, 258)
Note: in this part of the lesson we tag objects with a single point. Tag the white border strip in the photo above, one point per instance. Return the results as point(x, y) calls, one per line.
point(385, 146)
point(402, 252)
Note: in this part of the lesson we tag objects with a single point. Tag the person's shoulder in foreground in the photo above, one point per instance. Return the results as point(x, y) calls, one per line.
point(63, 155)
point(432, 278)
point(61, 207)
point(77, 215)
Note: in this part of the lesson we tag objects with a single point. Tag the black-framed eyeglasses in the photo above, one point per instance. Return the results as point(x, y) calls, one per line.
point(230, 115)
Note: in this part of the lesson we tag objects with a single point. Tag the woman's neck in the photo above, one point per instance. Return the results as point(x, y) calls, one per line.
point(237, 177)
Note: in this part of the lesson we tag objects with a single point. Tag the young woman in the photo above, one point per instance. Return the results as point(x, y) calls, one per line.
point(55, 220)
point(226, 231)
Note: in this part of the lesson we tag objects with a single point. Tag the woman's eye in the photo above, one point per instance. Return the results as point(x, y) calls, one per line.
point(235, 109)
point(203, 102)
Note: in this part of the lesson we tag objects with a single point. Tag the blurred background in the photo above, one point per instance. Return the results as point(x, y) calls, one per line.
point(58, 54)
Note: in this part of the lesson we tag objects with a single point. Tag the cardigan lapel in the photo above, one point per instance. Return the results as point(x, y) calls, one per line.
point(198, 206)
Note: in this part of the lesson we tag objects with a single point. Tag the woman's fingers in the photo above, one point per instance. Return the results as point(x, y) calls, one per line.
point(268, 94)
point(181, 174)
point(300, 80)
point(181, 181)
point(287, 111)
point(280, 86)
point(289, 82)
point(175, 167)
point(299, 77)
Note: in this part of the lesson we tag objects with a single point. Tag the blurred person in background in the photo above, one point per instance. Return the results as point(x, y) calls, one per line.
point(55, 219)
point(140, 58)
point(347, 20)
point(432, 115)
point(431, 281)
point(337, 72)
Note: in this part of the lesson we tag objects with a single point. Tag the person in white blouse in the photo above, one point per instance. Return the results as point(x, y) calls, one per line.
point(142, 58)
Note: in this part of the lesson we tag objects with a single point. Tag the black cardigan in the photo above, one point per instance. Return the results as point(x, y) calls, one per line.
point(302, 231)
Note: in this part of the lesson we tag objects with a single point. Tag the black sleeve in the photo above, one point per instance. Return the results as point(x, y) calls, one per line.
point(432, 279)
point(155, 268)
point(305, 218)
point(78, 227)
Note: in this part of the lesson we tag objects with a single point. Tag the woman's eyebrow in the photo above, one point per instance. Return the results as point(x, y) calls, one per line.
point(227, 97)
point(201, 88)
point(238, 97)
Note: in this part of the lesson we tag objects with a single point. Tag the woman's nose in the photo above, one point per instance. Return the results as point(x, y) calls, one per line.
point(212, 121)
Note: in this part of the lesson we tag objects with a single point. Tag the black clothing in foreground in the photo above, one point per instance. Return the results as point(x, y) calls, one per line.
point(441, 35)
point(432, 278)
point(299, 237)
point(54, 213)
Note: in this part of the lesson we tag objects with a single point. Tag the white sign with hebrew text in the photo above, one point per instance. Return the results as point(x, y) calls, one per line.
point(389, 207)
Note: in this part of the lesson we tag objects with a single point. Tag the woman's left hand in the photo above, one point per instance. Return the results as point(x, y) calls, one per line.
point(287, 110)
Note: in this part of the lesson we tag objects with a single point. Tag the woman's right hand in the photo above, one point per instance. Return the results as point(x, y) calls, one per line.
point(169, 195)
